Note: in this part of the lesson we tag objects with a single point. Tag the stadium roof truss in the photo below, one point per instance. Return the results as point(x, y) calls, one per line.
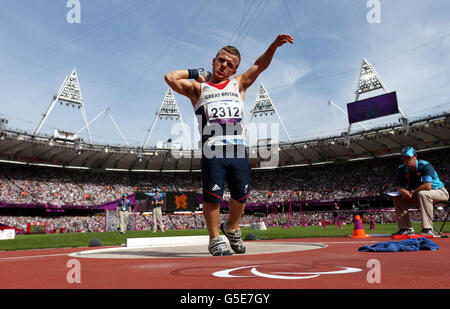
point(107, 112)
point(427, 133)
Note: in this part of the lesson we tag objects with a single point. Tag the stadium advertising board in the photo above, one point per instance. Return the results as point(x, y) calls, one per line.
point(7, 234)
point(173, 201)
point(375, 107)
point(181, 201)
point(36, 228)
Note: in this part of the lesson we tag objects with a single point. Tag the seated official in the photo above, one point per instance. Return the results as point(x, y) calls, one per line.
point(419, 185)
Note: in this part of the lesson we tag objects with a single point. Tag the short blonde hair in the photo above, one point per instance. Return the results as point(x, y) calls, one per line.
point(232, 50)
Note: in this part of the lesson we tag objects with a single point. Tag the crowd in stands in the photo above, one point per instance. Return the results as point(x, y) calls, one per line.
point(23, 184)
point(62, 224)
point(56, 186)
point(144, 221)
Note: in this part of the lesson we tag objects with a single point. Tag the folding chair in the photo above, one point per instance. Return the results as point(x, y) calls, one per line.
point(439, 231)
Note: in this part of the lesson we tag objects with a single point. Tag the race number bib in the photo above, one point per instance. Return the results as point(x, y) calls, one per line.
point(224, 111)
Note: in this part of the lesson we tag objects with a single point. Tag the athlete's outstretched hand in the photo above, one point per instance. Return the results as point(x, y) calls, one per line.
point(283, 39)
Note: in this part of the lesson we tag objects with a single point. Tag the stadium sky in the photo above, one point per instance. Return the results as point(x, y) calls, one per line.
point(122, 49)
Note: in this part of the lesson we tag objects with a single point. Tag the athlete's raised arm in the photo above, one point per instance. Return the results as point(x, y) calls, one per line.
point(185, 82)
point(179, 81)
point(246, 79)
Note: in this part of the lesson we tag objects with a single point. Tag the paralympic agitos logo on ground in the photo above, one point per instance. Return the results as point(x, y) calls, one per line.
point(271, 273)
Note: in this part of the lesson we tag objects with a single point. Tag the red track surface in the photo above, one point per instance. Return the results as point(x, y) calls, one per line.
point(47, 269)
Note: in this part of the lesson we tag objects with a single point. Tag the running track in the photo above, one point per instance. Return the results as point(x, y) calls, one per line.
point(48, 269)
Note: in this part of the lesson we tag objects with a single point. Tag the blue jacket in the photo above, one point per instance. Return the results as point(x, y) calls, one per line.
point(413, 244)
point(124, 206)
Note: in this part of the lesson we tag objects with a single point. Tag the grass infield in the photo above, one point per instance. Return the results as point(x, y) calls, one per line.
point(70, 240)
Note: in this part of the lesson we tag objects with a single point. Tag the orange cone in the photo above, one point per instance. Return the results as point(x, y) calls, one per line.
point(359, 231)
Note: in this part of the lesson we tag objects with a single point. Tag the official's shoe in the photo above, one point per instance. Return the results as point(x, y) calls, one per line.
point(427, 232)
point(235, 238)
point(408, 231)
point(218, 247)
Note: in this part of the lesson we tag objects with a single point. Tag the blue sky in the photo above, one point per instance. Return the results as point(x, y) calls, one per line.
point(122, 49)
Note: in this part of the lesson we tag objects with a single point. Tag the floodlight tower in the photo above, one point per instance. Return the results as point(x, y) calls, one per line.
point(264, 106)
point(369, 80)
point(69, 93)
point(168, 109)
point(3, 123)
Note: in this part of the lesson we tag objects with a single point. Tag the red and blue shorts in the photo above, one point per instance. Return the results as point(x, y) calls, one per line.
point(234, 171)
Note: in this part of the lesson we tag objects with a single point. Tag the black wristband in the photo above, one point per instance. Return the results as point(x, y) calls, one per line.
point(193, 74)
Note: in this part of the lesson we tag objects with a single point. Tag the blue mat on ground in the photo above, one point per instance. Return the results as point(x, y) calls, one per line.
point(414, 244)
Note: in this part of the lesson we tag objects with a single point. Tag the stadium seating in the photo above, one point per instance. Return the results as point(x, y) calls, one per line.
point(56, 186)
point(36, 185)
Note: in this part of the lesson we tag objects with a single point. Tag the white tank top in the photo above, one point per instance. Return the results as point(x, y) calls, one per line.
point(220, 112)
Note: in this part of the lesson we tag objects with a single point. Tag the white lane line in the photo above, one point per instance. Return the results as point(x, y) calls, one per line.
point(31, 257)
point(79, 253)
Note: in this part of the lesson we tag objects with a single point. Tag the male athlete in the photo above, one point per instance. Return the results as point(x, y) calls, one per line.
point(218, 102)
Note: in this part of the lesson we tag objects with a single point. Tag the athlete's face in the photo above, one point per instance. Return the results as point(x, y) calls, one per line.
point(224, 66)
